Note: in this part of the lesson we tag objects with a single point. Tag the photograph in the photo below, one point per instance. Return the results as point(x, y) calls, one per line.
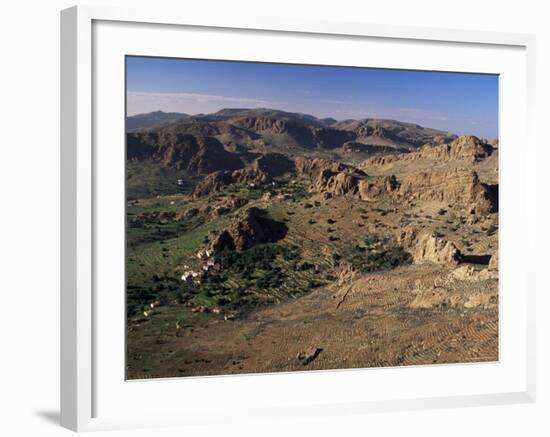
point(292, 217)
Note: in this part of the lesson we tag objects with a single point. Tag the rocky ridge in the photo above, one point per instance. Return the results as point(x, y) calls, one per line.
point(467, 148)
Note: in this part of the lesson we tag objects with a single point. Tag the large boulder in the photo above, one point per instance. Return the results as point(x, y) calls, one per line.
point(428, 248)
point(336, 184)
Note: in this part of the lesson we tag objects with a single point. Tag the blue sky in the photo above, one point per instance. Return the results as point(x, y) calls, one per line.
point(456, 102)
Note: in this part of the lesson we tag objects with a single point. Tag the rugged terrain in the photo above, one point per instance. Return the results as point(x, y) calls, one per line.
point(262, 240)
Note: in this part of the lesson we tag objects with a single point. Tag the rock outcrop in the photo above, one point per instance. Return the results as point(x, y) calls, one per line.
point(467, 148)
point(378, 189)
point(251, 227)
point(459, 187)
point(391, 132)
point(217, 181)
point(227, 206)
point(260, 171)
point(250, 175)
point(278, 126)
point(430, 248)
point(330, 177)
point(336, 183)
point(312, 167)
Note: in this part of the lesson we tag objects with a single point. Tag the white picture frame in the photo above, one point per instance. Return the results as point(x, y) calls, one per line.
point(83, 368)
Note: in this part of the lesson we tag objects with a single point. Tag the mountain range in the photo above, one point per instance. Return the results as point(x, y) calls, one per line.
point(152, 119)
point(272, 130)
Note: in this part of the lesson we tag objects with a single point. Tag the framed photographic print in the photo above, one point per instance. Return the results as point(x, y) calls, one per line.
point(283, 219)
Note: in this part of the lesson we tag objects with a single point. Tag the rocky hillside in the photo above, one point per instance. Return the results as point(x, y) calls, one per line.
point(274, 130)
point(251, 228)
point(466, 148)
point(195, 154)
point(393, 133)
point(460, 187)
point(243, 147)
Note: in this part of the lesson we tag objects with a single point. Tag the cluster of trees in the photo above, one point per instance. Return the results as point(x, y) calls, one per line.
point(259, 257)
point(385, 259)
point(257, 272)
point(377, 254)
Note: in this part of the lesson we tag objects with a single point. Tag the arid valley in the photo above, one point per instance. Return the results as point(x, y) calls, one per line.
point(260, 240)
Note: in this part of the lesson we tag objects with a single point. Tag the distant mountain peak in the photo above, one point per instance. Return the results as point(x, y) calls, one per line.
point(153, 119)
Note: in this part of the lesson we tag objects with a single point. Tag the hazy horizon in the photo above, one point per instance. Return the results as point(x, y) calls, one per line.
point(461, 103)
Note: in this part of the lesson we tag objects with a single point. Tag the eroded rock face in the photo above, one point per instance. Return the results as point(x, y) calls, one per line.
point(399, 133)
point(195, 154)
point(336, 183)
point(262, 124)
point(313, 167)
point(251, 228)
point(216, 181)
point(376, 190)
point(212, 183)
point(458, 187)
point(265, 123)
point(427, 247)
point(330, 177)
point(467, 148)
